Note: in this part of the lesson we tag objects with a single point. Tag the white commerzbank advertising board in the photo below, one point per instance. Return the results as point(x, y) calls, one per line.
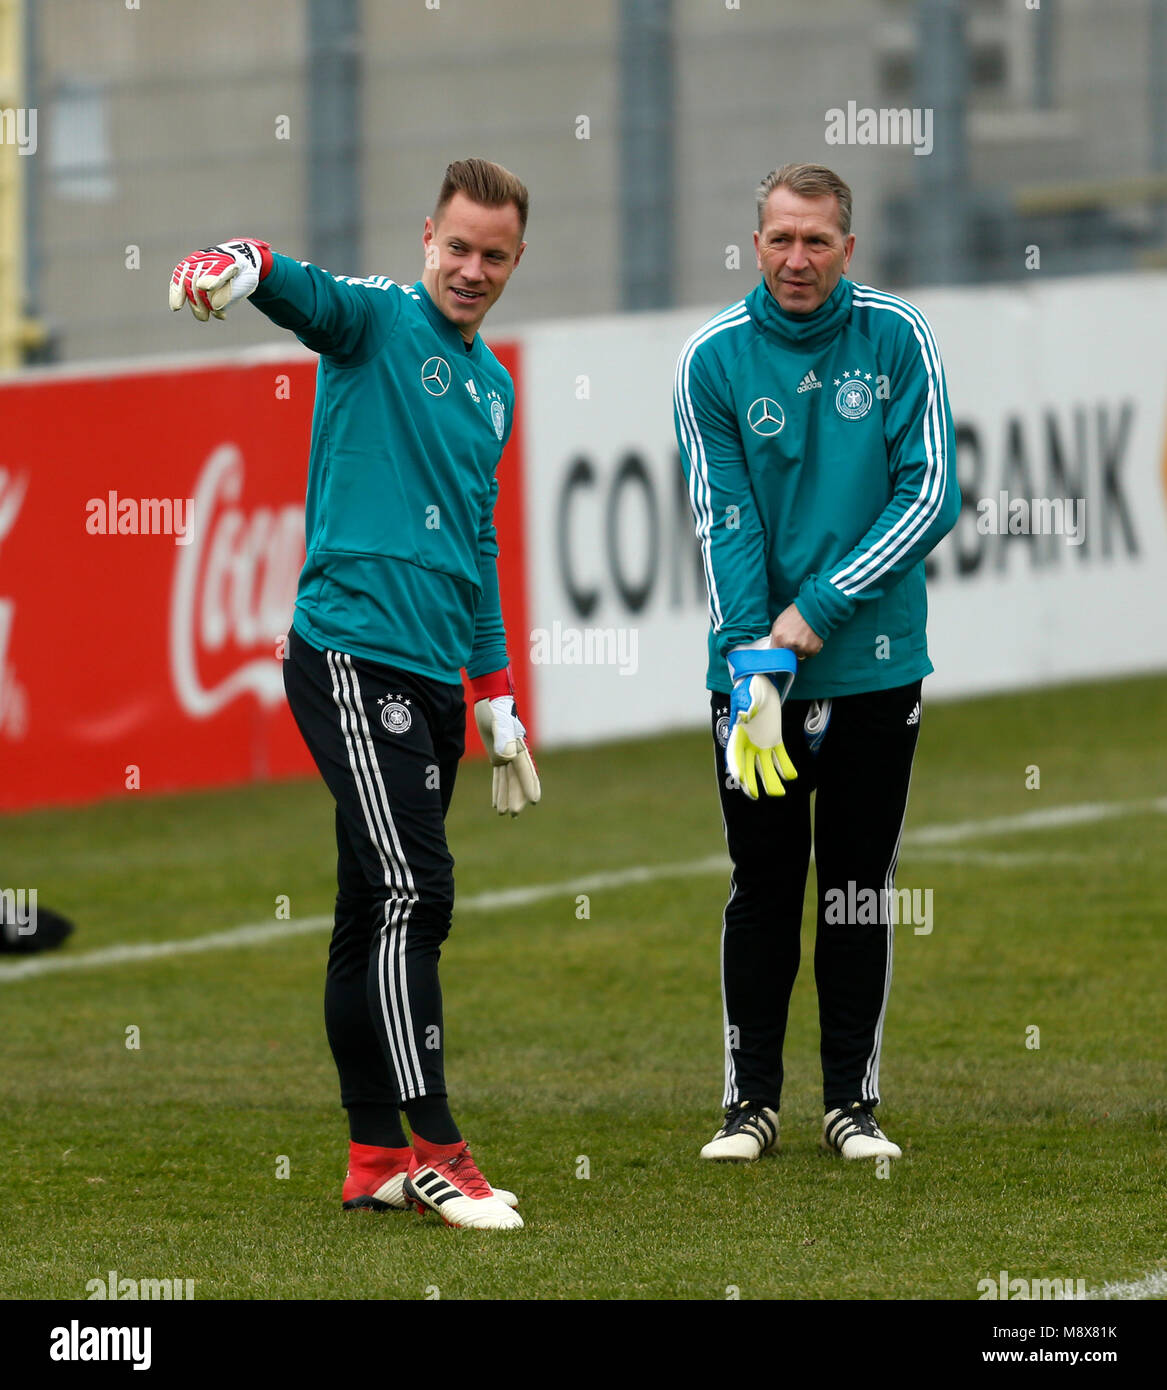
point(1058, 392)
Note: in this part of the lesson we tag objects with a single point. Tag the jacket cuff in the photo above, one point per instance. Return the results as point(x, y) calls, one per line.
point(271, 273)
point(492, 685)
point(822, 606)
point(265, 258)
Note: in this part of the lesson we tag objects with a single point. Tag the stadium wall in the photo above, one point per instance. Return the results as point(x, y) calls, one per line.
point(1057, 391)
point(151, 537)
point(149, 660)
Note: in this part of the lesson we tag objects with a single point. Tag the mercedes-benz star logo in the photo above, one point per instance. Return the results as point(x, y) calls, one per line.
point(765, 416)
point(435, 375)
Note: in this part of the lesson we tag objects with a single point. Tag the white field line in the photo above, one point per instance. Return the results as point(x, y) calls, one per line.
point(992, 859)
point(1053, 819)
point(258, 933)
point(618, 878)
point(255, 935)
point(1153, 1285)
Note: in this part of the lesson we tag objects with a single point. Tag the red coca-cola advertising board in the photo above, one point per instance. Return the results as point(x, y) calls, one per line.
point(151, 538)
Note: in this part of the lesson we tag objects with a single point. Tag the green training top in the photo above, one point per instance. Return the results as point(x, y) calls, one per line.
point(820, 456)
point(409, 424)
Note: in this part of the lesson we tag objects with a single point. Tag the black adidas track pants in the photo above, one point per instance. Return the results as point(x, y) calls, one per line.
point(387, 743)
point(860, 775)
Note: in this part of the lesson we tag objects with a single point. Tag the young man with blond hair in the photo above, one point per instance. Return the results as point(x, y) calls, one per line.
point(818, 445)
point(399, 593)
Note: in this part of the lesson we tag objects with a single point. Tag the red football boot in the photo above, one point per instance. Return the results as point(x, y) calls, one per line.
point(375, 1180)
point(445, 1179)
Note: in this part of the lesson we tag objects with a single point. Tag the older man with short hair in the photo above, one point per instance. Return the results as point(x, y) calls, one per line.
point(818, 445)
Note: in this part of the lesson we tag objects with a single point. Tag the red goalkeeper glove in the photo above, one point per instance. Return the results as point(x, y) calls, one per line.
point(211, 279)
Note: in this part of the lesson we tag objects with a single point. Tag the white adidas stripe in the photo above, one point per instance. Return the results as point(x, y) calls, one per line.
point(731, 1095)
point(920, 514)
point(390, 870)
point(874, 562)
point(373, 282)
point(870, 1088)
point(700, 491)
point(397, 877)
point(934, 434)
point(395, 927)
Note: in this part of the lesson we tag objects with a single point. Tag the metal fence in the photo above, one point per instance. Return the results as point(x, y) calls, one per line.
point(984, 140)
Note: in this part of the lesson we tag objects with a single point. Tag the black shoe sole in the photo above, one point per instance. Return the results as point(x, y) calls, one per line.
point(366, 1203)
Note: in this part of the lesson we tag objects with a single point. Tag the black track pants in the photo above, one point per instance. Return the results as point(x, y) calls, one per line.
point(387, 744)
point(860, 775)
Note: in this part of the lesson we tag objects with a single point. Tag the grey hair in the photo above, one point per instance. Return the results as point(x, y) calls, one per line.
point(808, 181)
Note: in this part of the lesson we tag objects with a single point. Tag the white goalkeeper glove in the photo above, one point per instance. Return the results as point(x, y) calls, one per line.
point(761, 680)
point(211, 279)
point(516, 779)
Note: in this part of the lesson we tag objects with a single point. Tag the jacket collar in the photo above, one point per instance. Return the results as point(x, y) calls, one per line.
point(447, 330)
point(801, 330)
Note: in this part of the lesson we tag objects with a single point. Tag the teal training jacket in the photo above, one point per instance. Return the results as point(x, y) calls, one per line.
point(407, 432)
point(820, 456)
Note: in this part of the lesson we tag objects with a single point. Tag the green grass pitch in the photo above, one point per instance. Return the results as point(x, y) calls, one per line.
point(584, 1052)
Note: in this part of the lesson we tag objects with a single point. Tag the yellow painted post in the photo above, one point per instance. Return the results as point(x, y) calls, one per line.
point(11, 183)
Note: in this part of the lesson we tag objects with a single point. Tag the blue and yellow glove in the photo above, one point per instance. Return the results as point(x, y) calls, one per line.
point(761, 680)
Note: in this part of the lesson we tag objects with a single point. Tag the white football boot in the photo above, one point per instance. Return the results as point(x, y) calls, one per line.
point(391, 1194)
point(455, 1189)
point(750, 1130)
point(854, 1133)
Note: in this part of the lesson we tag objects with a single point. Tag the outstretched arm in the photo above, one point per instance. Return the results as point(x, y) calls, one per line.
point(333, 315)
